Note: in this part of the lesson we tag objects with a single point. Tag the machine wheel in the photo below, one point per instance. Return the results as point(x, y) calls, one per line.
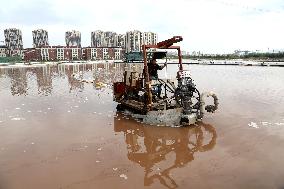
point(188, 99)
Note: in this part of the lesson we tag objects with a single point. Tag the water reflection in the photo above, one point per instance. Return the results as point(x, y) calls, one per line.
point(21, 79)
point(18, 80)
point(44, 80)
point(161, 149)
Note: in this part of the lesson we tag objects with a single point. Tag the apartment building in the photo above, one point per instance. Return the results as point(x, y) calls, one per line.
point(13, 39)
point(97, 38)
point(40, 38)
point(105, 45)
point(120, 40)
point(73, 38)
point(149, 38)
point(103, 53)
point(3, 50)
point(53, 53)
point(135, 39)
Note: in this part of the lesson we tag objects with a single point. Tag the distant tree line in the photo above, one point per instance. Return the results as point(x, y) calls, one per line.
point(12, 59)
point(256, 56)
point(265, 55)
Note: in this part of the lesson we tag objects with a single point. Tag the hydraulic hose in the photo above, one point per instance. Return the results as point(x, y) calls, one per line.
point(208, 108)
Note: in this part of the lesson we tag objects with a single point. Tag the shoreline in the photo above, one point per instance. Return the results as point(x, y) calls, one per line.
point(236, 62)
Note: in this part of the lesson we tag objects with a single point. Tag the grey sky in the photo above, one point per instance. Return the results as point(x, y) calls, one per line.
point(206, 25)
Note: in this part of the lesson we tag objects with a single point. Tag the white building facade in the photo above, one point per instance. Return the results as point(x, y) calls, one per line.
point(135, 39)
point(60, 53)
point(3, 51)
point(149, 38)
point(75, 53)
point(44, 52)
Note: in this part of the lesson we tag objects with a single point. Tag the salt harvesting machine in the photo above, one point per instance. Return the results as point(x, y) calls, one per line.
point(179, 104)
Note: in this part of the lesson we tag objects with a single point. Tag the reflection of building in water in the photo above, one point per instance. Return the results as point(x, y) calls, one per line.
point(109, 73)
point(19, 84)
point(74, 84)
point(3, 72)
point(149, 146)
point(44, 80)
point(76, 69)
point(106, 73)
point(19, 79)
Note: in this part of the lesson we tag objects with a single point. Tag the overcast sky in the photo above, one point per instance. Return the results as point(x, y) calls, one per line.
point(210, 26)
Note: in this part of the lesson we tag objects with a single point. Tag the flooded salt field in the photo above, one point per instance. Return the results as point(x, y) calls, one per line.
point(60, 130)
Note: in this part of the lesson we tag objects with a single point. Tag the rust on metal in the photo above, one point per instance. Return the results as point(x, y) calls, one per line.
point(166, 44)
point(147, 79)
point(179, 60)
point(169, 42)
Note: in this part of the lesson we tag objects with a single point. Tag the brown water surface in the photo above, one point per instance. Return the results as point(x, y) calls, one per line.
point(58, 132)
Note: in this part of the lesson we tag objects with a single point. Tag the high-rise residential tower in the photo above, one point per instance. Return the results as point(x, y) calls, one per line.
point(13, 39)
point(97, 38)
point(135, 39)
point(103, 39)
point(149, 38)
point(120, 40)
point(73, 38)
point(109, 39)
point(40, 38)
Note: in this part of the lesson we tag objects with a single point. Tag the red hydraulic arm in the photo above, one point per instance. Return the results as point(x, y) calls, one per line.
point(169, 42)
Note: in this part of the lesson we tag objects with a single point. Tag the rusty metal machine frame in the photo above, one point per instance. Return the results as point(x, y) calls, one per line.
point(167, 44)
point(184, 106)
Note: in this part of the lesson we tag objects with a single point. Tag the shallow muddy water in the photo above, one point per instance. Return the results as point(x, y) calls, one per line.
point(58, 132)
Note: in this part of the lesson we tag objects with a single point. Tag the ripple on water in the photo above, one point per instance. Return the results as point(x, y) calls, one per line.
point(18, 119)
point(123, 176)
point(265, 124)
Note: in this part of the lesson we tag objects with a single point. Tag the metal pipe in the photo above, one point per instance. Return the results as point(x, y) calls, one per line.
point(179, 59)
point(147, 79)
